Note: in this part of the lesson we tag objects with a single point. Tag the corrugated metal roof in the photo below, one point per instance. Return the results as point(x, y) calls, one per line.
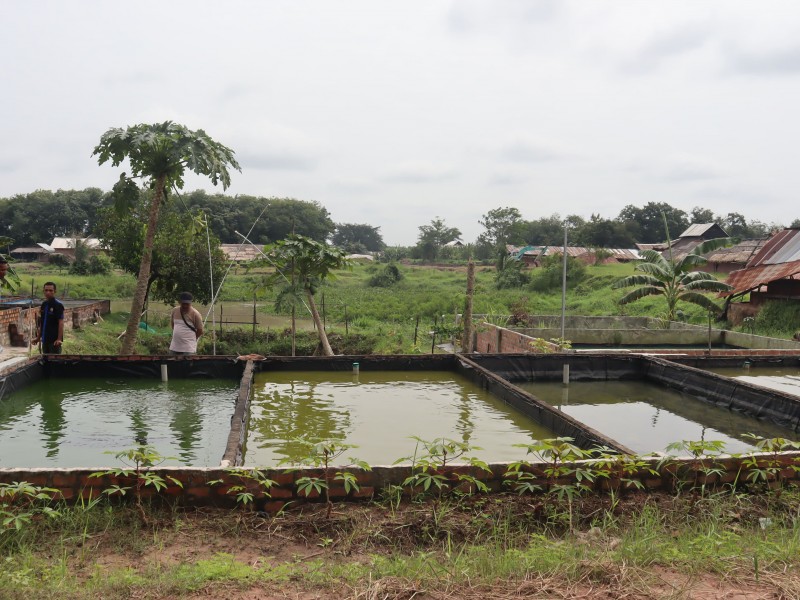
point(744, 280)
point(777, 259)
point(240, 252)
point(700, 229)
point(740, 253)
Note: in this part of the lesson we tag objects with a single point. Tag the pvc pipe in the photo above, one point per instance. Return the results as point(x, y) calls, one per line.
point(164, 377)
point(355, 368)
point(565, 376)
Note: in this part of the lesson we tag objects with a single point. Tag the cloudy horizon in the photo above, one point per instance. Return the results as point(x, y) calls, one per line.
point(392, 114)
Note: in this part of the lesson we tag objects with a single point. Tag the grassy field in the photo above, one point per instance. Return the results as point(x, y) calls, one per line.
point(390, 315)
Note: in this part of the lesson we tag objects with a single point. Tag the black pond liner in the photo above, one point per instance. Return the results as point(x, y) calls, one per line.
point(723, 392)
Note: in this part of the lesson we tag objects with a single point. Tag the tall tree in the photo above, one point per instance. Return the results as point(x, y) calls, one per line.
point(432, 237)
point(358, 237)
point(502, 226)
point(180, 260)
point(308, 264)
point(160, 154)
point(647, 222)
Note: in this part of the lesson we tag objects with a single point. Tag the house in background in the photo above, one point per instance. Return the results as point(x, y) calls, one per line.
point(773, 273)
point(533, 255)
point(241, 253)
point(727, 260)
point(67, 245)
point(690, 239)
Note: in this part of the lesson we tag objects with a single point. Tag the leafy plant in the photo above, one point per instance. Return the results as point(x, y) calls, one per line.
point(429, 466)
point(21, 502)
point(705, 462)
point(252, 482)
point(320, 454)
point(766, 470)
point(138, 463)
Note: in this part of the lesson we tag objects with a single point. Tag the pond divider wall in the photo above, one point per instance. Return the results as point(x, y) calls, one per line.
point(234, 450)
point(752, 400)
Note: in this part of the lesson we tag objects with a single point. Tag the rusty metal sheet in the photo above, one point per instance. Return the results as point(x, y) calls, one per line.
point(753, 277)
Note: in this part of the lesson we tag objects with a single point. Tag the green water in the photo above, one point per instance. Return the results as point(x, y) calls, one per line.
point(647, 418)
point(379, 412)
point(72, 422)
point(782, 379)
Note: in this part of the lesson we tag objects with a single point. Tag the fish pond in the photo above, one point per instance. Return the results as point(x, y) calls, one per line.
point(380, 412)
point(647, 417)
point(785, 378)
point(74, 422)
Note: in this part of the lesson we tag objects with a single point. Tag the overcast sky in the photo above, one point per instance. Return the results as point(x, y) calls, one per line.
point(393, 113)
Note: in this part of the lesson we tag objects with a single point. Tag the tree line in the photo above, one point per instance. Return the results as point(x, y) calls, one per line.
point(42, 215)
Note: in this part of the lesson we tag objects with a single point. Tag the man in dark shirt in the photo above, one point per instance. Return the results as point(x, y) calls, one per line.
point(51, 321)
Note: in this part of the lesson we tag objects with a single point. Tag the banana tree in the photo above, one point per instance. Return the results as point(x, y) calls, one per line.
point(675, 280)
point(160, 154)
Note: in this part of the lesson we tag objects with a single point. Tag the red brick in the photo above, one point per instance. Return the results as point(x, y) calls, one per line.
point(281, 493)
point(364, 492)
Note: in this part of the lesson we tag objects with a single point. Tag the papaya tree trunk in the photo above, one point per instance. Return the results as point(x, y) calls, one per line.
point(323, 337)
point(129, 342)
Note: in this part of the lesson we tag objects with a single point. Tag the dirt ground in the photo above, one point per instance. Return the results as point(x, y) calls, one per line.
point(358, 532)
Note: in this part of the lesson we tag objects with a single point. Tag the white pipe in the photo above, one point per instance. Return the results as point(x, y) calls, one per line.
point(164, 375)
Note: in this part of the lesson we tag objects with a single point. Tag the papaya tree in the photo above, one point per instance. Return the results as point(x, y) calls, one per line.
point(159, 154)
point(302, 265)
point(675, 280)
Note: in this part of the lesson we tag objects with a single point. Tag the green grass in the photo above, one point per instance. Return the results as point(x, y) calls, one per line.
point(494, 541)
point(389, 315)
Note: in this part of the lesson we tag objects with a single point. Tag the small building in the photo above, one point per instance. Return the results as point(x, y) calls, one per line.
point(241, 253)
point(733, 258)
point(533, 255)
point(67, 245)
point(691, 238)
point(30, 254)
point(773, 273)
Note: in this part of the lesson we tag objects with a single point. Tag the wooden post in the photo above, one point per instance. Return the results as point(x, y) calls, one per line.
point(220, 319)
point(255, 320)
point(346, 330)
point(416, 330)
point(466, 337)
point(324, 324)
point(433, 334)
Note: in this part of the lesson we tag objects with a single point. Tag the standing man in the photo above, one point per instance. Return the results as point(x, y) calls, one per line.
point(187, 327)
point(51, 322)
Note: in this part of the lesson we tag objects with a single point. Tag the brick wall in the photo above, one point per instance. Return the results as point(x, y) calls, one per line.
point(491, 339)
point(212, 486)
point(75, 317)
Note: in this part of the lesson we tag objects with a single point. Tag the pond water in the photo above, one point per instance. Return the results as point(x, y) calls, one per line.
point(646, 417)
point(380, 412)
point(73, 422)
point(782, 379)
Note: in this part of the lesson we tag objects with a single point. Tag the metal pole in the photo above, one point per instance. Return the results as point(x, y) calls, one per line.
point(213, 296)
point(564, 286)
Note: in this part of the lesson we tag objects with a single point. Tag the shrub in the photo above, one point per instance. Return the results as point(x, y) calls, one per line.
point(779, 315)
point(512, 275)
point(387, 277)
point(548, 277)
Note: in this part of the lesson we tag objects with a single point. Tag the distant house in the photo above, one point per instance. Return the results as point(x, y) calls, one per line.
point(31, 254)
point(771, 274)
point(454, 244)
point(691, 238)
point(727, 260)
point(66, 246)
point(533, 255)
point(241, 253)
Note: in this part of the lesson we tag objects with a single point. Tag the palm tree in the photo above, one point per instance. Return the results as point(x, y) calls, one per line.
point(304, 264)
point(160, 154)
point(675, 280)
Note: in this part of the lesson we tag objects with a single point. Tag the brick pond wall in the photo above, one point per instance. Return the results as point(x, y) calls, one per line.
point(491, 339)
point(75, 317)
point(213, 486)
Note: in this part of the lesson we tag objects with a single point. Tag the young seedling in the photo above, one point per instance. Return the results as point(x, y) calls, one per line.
point(138, 463)
point(321, 454)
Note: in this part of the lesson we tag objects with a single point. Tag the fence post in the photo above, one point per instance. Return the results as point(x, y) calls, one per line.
point(433, 334)
point(220, 319)
point(254, 316)
point(346, 330)
point(324, 323)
